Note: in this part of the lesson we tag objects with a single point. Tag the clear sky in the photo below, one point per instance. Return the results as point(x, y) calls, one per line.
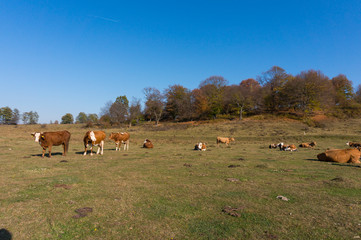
point(70, 56)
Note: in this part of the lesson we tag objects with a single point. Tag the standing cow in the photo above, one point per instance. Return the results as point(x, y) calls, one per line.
point(225, 140)
point(94, 138)
point(120, 138)
point(50, 139)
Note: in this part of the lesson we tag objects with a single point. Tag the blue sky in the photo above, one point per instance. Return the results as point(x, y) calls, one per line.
point(59, 57)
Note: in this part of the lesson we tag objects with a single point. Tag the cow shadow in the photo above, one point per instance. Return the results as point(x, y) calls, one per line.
point(47, 155)
point(5, 234)
point(335, 163)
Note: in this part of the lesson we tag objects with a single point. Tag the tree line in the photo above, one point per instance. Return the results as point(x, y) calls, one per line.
point(273, 92)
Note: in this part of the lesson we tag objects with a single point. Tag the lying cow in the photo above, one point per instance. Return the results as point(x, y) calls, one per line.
point(340, 156)
point(225, 140)
point(50, 139)
point(273, 145)
point(308, 145)
point(354, 144)
point(284, 147)
point(94, 138)
point(200, 146)
point(120, 138)
point(147, 144)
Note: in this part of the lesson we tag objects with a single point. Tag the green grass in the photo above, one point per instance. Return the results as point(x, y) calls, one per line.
point(152, 194)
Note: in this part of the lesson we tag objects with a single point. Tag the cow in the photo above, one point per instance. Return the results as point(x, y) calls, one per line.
point(224, 140)
point(94, 138)
point(147, 144)
point(354, 144)
point(284, 147)
point(50, 139)
point(119, 138)
point(273, 145)
point(340, 156)
point(200, 146)
point(308, 145)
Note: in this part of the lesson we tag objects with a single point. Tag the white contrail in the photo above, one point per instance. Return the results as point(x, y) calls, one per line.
point(106, 19)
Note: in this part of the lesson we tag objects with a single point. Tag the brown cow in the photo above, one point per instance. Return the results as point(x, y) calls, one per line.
point(273, 145)
point(200, 146)
point(147, 144)
point(94, 138)
point(354, 144)
point(308, 145)
point(120, 138)
point(340, 155)
point(284, 147)
point(224, 140)
point(50, 139)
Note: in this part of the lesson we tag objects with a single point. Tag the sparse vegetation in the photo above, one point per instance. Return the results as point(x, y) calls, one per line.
point(174, 192)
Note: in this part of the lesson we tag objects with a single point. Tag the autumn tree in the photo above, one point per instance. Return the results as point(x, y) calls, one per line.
point(178, 103)
point(199, 105)
point(213, 89)
point(343, 89)
point(273, 82)
point(154, 105)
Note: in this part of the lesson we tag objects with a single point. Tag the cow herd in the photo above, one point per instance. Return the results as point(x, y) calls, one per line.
point(97, 138)
point(351, 155)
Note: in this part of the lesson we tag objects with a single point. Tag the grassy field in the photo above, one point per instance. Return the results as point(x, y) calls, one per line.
point(174, 192)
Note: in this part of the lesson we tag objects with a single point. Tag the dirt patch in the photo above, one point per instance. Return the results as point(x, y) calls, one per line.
point(82, 212)
point(62, 186)
point(232, 179)
point(234, 212)
point(62, 161)
point(261, 166)
point(269, 235)
point(338, 179)
point(187, 165)
point(233, 166)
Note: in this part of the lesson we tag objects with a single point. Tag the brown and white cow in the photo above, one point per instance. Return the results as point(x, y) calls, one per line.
point(94, 138)
point(225, 140)
point(147, 144)
point(340, 156)
point(200, 146)
point(273, 145)
point(308, 145)
point(120, 138)
point(284, 147)
point(354, 144)
point(50, 139)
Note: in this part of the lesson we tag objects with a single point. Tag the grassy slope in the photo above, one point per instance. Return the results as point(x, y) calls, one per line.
point(150, 194)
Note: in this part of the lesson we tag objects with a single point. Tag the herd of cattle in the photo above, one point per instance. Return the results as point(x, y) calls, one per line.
point(350, 155)
point(97, 138)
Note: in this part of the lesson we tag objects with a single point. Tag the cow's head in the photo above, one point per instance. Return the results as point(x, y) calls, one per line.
point(112, 136)
point(92, 136)
point(36, 135)
point(231, 139)
point(348, 143)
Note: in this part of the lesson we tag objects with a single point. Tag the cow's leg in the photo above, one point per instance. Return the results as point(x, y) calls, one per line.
point(127, 145)
point(44, 149)
point(50, 151)
point(91, 149)
point(102, 147)
point(64, 147)
point(117, 148)
point(86, 149)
